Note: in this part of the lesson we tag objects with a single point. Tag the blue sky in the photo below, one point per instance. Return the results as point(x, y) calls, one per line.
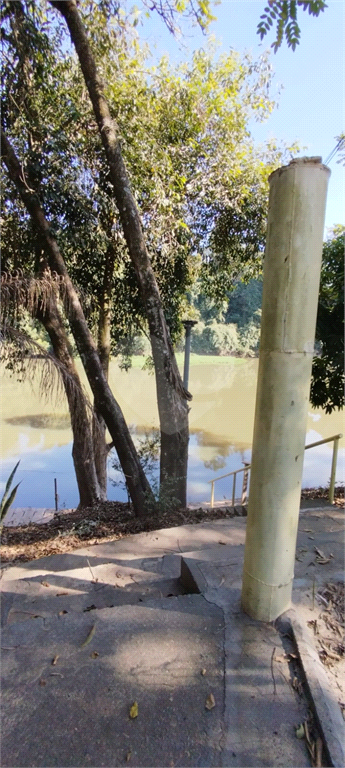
point(311, 104)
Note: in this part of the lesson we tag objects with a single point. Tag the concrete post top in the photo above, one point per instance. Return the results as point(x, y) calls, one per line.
point(302, 161)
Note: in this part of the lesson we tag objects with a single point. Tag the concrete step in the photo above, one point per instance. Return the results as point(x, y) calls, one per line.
point(75, 712)
point(218, 569)
point(87, 589)
point(131, 550)
point(125, 571)
point(215, 573)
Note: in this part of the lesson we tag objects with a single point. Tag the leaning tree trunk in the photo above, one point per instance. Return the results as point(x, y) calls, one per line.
point(82, 451)
point(171, 395)
point(105, 402)
point(101, 449)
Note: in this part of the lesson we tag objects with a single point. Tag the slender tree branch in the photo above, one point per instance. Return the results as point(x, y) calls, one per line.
point(125, 201)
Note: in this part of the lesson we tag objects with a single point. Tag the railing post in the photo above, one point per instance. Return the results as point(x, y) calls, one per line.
point(233, 490)
point(212, 493)
point(334, 469)
point(245, 483)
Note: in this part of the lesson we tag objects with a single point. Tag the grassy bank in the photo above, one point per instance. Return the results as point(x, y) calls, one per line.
point(139, 360)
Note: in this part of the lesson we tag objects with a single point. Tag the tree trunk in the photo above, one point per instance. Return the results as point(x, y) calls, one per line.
point(82, 451)
point(101, 449)
point(171, 395)
point(105, 402)
point(100, 452)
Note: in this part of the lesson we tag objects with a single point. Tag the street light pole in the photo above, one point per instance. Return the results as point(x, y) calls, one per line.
point(188, 324)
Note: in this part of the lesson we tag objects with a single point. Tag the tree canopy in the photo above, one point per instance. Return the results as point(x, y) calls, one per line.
point(199, 181)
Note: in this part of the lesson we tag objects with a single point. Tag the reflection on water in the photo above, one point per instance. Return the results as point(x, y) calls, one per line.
point(221, 426)
point(41, 420)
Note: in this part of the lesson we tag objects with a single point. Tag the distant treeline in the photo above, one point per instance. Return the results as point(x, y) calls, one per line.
point(233, 328)
point(230, 329)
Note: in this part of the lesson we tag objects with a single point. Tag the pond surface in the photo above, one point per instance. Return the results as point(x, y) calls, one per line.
point(36, 430)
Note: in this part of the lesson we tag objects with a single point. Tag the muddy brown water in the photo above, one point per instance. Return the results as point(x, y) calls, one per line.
point(36, 430)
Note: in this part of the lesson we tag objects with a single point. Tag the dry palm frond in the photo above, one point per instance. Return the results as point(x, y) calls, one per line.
point(333, 594)
point(20, 291)
point(30, 361)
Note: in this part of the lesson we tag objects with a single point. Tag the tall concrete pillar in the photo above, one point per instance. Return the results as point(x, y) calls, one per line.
point(290, 297)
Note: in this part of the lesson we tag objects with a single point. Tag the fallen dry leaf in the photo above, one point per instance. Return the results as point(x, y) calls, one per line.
point(128, 756)
point(45, 584)
point(94, 654)
point(300, 731)
point(280, 658)
point(61, 613)
point(134, 710)
point(330, 653)
point(89, 637)
point(210, 701)
point(203, 672)
point(54, 660)
point(319, 552)
point(313, 623)
point(43, 682)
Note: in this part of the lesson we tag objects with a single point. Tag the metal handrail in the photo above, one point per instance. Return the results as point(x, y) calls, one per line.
point(335, 439)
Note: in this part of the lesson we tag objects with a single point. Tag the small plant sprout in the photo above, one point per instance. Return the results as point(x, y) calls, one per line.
point(6, 500)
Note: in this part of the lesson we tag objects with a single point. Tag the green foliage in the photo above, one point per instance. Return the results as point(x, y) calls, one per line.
point(244, 302)
point(249, 335)
point(230, 327)
point(204, 307)
point(327, 387)
point(283, 14)
point(215, 339)
point(161, 498)
point(6, 500)
point(200, 183)
point(226, 339)
point(171, 12)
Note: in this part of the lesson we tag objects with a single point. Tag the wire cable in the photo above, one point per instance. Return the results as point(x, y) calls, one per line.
point(334, 151)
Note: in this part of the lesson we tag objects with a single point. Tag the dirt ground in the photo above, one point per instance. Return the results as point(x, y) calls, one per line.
point(107, 521)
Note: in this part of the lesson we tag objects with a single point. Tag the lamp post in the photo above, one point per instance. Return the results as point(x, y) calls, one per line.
point(188, 324)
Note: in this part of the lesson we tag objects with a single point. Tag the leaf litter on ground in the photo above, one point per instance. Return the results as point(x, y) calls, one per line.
point(210, 701)
point(134, 710)
point(89, 637)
